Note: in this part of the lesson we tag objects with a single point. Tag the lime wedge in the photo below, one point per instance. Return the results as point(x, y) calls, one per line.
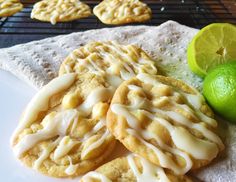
point(213, 45)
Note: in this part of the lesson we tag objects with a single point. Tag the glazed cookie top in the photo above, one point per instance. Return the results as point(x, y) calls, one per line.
point(122, 11)
point(132, 168)
point(111, 60)
point(60, 10)
point(9, 7)
point(62, 131)
point(165, 121)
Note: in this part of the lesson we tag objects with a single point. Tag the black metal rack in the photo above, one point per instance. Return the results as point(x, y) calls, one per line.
point(20, 28)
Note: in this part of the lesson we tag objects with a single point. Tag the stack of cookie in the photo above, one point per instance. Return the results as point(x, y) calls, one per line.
point(106, 92)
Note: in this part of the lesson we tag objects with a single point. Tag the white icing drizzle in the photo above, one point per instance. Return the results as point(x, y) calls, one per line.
point(65, 145)
point(75, 122)
point(150, 172)
point(147, 79)
point(113, 80)
point(60, 9)
point(54, 126)
point(197, 126)
point(100, 94)
point(111, 11)
point(185, 141)
point(165, 160)
point(45, 153)
point(67, 68)
point(54, 17)
point(121, 65)
point(127, 68)
point(95, 129)
point(95, 175)
point(134, 87)
point(196, 102)
point(207, 119)
point(177, 117)
point(40, 100)
point(71, 169)
point(94, 66)
point(125, 75)
point(57, 123)
point(96, 144)
point(199, 149)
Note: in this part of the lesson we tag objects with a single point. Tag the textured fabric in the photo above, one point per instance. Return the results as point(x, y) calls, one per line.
point(38, 62)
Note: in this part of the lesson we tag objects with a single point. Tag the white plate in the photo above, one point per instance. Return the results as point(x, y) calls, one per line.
point(14, 96)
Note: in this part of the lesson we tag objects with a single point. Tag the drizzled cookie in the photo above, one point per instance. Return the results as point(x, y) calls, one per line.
point(9, 7)
point(165, 121)
point(62, 132)
point(122, 11)
point(110, 60)
point(60, 10)
point(132, 168)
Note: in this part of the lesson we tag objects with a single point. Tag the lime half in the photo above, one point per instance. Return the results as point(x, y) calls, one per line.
point(213, 45)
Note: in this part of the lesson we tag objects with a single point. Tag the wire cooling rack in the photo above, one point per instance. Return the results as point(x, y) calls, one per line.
point(20, 28)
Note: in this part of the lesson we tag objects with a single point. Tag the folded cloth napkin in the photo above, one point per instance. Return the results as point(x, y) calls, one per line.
point(38, 62)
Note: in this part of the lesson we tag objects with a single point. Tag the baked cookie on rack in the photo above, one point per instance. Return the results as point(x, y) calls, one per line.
point(62, 131)
point(122, 11)
point(111, 60)
point(132, 168)
point(60, 10)
point(9, 7)
point(165, 121)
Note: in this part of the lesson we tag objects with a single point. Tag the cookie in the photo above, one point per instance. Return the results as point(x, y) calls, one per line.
point(60, 10)
point(165, 121)
point(9, 7)
point(111, 60)
point(132, 168)
point(62, 132)
point(122, 11)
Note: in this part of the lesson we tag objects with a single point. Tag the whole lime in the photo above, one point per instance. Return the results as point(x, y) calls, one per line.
point(219, 89)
